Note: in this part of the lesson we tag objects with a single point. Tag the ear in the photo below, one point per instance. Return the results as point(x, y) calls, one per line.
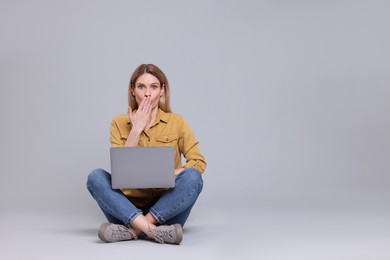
point(162, 90)
point(131, 89)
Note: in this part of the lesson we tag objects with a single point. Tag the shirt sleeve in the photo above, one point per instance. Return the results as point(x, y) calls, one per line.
point(189, 147)
point(115, 135)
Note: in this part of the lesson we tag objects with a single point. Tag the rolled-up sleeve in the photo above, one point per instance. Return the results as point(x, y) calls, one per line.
point(119, 131)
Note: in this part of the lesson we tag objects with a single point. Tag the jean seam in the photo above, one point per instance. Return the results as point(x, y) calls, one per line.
point(156, 215)
point(133, 216)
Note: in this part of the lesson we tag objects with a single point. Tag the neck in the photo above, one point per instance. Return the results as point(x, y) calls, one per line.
point(153, 113)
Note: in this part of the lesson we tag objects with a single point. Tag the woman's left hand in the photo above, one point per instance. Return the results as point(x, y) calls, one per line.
point(178, 171)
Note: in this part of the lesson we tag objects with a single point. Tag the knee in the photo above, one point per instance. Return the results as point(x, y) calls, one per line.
point(193, 177)
point(97, 177)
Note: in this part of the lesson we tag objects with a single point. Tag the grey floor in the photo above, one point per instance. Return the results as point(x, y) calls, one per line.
point(211, 233)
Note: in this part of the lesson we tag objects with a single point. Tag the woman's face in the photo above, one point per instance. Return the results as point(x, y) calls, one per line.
point(148, 85)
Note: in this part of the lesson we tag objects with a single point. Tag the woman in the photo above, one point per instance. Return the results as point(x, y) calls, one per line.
point(157, 213)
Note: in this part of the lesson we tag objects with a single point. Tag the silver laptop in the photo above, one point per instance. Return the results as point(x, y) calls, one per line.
point(142, 167)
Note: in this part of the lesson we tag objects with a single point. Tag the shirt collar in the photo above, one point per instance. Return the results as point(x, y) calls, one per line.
point(161, 116)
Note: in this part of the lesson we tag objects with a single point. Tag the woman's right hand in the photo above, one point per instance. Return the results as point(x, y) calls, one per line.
point(141, 118)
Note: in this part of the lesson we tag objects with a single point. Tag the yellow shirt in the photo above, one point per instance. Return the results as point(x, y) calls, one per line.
point(168, 129)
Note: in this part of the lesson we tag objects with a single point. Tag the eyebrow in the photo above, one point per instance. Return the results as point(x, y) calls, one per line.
point(154, 83)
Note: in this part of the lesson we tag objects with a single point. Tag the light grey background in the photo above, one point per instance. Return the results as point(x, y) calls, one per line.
point(289, 99)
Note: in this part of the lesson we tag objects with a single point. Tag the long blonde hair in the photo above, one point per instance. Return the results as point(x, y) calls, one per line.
point(152, 69)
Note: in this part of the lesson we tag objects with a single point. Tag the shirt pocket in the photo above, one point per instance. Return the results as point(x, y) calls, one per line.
point(124, 137)
point(167, 140)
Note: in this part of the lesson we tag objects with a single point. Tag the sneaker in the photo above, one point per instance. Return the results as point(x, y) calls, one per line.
point(172, 234)
point(109, 232)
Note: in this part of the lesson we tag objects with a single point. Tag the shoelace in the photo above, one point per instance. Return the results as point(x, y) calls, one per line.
point(159, 235)
point(123, 233)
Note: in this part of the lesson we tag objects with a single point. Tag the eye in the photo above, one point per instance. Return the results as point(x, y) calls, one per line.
point(140, 86)
point(154, 87)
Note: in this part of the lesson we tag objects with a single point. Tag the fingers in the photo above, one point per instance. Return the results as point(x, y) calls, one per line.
point(144, 108)
point(141, 117)
point(129, 113)
point(142, 104)
point(145, 105)
point(148, 105)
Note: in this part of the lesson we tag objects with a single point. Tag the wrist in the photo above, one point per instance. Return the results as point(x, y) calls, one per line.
point(136, 130)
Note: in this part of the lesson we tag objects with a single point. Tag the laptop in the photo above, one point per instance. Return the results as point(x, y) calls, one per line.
point(142, 167)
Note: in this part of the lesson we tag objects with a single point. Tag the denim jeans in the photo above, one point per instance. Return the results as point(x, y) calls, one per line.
point(174, 206)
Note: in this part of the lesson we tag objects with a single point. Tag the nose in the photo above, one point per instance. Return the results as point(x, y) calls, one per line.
point(147, 92)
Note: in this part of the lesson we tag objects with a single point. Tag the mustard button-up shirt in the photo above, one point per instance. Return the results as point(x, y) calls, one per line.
point(168, 129)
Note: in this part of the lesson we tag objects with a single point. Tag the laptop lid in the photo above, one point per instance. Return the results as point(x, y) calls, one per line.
point(142, 167)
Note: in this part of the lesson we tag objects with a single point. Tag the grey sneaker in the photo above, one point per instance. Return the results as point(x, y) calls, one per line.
point(172, 234)
point(109, 232)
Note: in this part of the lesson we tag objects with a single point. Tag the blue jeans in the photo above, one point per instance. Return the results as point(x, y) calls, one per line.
point(173, 207)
